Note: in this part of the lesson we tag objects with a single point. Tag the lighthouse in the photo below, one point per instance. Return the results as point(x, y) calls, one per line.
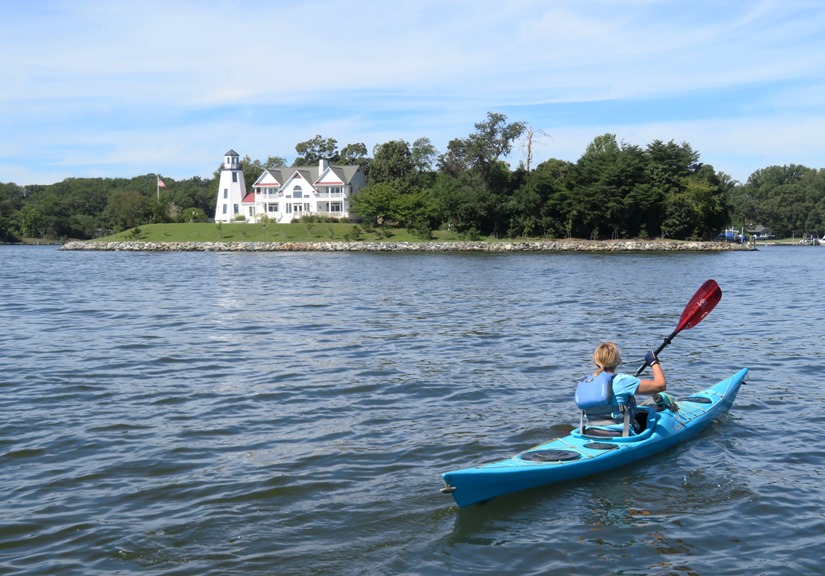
point(231, 189)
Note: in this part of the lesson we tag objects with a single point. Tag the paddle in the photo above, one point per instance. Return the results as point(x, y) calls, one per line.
point(705, 300)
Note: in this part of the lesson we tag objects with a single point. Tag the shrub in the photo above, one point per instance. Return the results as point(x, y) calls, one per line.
point(355, 233)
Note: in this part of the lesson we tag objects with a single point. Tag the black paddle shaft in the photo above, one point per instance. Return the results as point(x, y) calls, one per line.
point(664, 345)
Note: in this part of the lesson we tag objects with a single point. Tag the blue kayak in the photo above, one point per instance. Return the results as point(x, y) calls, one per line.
point(582, 454)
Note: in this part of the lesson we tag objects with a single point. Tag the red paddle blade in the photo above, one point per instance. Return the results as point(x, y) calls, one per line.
point(705, 300)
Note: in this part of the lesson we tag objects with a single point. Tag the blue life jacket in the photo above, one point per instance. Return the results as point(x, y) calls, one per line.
point(595, 397)
point(596, 392)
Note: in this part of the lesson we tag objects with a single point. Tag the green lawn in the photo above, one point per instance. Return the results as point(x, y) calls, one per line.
point(242, 232)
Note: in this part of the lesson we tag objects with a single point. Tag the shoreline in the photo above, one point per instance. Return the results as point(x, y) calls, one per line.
point(458, 246)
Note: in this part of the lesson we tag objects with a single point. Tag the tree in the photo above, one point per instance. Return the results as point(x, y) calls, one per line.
point(673, 160)
point(191, 215)
point(530, 139)
point(424, 155)
point(376, 202)
point(313, 151)
point(11, 200)
point(482, 149)
point(491, 140)
point(31, 222)
point(417, 211)
point(275, 162)
point(698, 211)
point(782, 197)
point(392, 160)
point(602, 180)
point(456, 159)
point(524, 208)
point(460, 202)
point(536, 206)
point(127, 209)
point(252, 170)
point(481, 153)
point(195, 192)
point(42, 216)
point(355, 155)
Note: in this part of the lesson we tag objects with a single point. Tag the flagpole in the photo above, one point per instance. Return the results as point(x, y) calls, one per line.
point(157, 182)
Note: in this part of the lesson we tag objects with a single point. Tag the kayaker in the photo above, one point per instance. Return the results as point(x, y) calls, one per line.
point(607, 358)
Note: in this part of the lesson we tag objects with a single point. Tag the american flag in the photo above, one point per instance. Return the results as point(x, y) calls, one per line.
point(161, 184)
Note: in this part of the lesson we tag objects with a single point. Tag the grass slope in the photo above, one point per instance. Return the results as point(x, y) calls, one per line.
point(242, 232)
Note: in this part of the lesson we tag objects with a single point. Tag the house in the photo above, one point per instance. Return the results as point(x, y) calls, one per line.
point(231, 189)
point(286, 194)
point(760, 231)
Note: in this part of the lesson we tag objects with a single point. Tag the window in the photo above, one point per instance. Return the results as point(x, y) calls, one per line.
point(297, 192)
point(335, 190)
point(234, 176)
point(335, 208)
point(237, 209)
point(225, 193)
point(289, 208)
point(224, 208)
point(251, 211)
point(273, 207)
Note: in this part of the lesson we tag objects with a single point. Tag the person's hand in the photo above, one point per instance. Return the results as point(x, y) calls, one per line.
point(651, 359)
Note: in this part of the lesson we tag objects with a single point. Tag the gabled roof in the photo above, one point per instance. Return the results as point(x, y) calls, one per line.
point(347, 173)
point(268, 178)
point(309, 173)
point(231, 153)
point(332, 175)
point(249, 198)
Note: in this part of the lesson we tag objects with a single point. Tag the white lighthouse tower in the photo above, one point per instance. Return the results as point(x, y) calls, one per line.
point(231, 189)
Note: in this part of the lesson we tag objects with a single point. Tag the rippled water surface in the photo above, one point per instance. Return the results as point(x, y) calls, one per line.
point(291, 413)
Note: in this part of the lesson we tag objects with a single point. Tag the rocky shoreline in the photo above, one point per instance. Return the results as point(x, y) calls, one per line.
point(515, 246)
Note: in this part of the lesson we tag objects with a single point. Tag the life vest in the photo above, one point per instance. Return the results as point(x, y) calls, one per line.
point(596, 391)
point(595, 397)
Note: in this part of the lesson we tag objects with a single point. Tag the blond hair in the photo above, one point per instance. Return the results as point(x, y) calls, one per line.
point(607, 357)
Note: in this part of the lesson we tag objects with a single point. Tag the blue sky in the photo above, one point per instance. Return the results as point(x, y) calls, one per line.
point(94, 88)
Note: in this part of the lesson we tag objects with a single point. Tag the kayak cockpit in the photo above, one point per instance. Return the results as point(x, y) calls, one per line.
point(645, 418)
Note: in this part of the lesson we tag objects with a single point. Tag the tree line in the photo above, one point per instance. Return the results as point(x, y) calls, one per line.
point(614, 190)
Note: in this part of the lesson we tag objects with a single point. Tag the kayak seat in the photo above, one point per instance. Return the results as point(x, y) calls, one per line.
point(595, 432)
point(595, 398)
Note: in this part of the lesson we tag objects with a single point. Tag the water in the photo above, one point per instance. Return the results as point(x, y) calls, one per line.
point(291, 413)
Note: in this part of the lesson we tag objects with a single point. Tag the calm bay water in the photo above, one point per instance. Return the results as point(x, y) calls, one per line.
point(290, 413)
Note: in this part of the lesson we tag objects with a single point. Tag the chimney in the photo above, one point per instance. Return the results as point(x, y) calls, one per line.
point(323, 164)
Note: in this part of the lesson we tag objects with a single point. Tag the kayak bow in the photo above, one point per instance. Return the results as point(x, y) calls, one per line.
point(578, 455)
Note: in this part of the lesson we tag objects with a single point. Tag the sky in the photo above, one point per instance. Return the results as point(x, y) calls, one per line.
point(94, 88)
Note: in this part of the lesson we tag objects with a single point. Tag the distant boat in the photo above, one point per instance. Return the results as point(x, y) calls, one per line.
point(731, 235)
point(813, 240)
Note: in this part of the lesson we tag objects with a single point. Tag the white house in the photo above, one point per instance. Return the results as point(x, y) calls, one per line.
point(231, 189)
point(286, 194)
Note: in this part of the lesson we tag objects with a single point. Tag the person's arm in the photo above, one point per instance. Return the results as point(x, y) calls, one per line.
point(659, 382)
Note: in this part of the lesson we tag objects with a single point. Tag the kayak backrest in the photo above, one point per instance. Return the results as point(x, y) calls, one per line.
point(594, 396)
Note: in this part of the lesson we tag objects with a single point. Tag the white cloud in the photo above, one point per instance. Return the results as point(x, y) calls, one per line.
point(96, 86)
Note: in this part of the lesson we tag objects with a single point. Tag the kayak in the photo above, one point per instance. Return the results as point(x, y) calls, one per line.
point(582, 454)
